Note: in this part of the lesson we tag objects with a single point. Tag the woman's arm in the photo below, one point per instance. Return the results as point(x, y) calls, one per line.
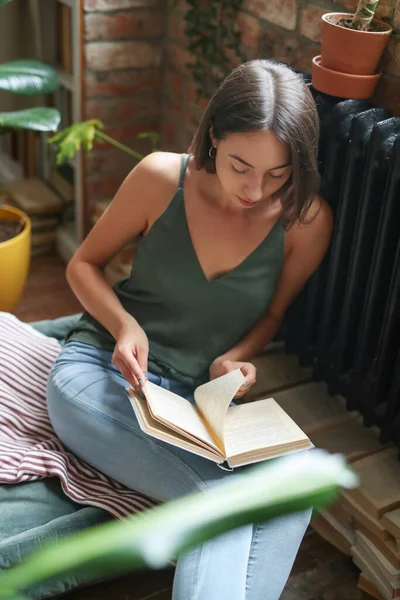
point(138, 202)
point(126, 217)
point(305, 247)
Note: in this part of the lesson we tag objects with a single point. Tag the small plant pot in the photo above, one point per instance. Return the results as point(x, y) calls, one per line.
point(342, 85)
point(14, 259)
point(349, 50)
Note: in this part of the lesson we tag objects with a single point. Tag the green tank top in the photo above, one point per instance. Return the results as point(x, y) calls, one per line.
point(189, 320)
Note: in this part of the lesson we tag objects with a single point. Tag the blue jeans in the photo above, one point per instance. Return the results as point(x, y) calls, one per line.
point(91, 413)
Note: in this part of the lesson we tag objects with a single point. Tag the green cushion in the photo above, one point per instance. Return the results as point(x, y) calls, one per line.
point(56, 328)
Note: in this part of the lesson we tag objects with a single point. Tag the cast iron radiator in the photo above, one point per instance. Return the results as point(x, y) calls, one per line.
point(346, 322)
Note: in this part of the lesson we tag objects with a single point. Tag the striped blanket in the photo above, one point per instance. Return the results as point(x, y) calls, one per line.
point(29, 447)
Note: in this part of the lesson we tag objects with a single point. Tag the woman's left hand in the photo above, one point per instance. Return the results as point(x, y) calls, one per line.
point(221, 366)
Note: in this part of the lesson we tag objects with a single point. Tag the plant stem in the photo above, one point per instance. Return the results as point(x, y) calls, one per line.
point(103, 136)
point(364, 14)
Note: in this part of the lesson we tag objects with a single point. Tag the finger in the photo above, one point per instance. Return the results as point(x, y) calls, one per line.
point(127, 357)
point(249, 371)
point(227, 366)
point(126, 373)
point(142, 354)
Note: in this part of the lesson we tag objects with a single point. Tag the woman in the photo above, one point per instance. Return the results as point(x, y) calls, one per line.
point(229, 234)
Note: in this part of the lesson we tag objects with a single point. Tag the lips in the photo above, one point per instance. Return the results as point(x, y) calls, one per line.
point(246, 202)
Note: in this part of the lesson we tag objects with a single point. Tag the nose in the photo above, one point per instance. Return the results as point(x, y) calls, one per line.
point(254, 189)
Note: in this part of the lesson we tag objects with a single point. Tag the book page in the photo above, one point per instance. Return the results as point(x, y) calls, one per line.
point(213, 399)
point(259, 424)
point(163, 433)
point(177, 412)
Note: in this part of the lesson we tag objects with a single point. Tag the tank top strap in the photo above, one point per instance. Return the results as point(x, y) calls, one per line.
point(184, 164)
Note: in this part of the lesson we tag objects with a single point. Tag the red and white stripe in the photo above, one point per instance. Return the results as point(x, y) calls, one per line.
point(29, 447)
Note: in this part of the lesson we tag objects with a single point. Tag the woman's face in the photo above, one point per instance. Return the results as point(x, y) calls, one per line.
point(251, 167)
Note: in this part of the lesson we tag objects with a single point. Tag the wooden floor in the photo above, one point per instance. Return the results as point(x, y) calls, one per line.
point(320, 571)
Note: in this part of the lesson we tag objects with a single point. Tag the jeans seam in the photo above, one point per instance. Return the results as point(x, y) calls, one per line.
point(196, 572)
point(252, 545)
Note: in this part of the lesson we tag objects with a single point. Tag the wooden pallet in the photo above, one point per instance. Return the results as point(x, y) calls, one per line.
point(365, 522)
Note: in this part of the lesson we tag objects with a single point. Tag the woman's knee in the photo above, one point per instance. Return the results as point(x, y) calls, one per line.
point(101, 428)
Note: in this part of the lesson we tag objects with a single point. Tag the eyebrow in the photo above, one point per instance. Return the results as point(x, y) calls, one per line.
point(252, 167)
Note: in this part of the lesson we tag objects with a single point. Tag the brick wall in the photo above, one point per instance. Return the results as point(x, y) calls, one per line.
point(287, 30)
point(136, 75)
point(123, 78)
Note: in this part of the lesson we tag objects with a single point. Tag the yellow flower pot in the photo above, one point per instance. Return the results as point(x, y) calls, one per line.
point(14, 260)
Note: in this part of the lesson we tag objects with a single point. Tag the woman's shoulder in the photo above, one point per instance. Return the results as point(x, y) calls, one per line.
point(314, 228)
point(153, 183)
point(319, 214)
point(160, 169)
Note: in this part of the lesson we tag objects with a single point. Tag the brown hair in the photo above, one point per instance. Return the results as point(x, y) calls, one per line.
point(267, 95)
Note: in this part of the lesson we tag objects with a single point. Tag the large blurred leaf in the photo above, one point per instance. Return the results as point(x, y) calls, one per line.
point(38, 119)
point(157, 536)
point(2, 2)
point(28, 77)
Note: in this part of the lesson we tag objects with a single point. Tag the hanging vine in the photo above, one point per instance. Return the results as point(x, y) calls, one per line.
point(211, 27)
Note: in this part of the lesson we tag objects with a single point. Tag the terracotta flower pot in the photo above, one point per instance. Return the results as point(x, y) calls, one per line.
point(342, 85)
point(349, 50)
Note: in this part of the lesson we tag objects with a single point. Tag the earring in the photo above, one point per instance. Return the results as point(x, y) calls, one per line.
point(210, 152)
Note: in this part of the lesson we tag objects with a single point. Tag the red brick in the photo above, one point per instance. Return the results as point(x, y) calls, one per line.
point(391, 59)
point(278, 12)
point(178, 127)
point(178, 5)
point(169, 134)
point(290, 48)
point(235, 59)
point(104, 186)
point(384, 9)
point(127, 133)
point(105, 5)
point(310, 22)
point(104, 161)
point(122, 83)
point(172, 108)
point(203, 102)
point(111, 159)
point(178, 58)
point(122, 110)
point(124, 25)
point(191, 93)
point(387, 94)
point(192, 120)
point(173, 85)
point(176, 27)
point(106, 56)
point(250, 30)
point(192, 97)
point(345, 6)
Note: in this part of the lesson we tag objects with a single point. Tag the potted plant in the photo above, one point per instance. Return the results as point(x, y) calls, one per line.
point(351, 48)
point(25, 77)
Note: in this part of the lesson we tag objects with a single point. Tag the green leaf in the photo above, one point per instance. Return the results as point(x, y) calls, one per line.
point(37, 119)
point(28, 77)
point(3, 2)
point(157, 536)
point(71, 139)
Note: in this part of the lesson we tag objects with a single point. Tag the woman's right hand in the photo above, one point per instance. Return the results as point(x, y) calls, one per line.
point(131, 353)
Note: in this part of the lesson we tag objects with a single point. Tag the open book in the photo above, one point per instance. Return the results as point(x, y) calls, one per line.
point(237, 434)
